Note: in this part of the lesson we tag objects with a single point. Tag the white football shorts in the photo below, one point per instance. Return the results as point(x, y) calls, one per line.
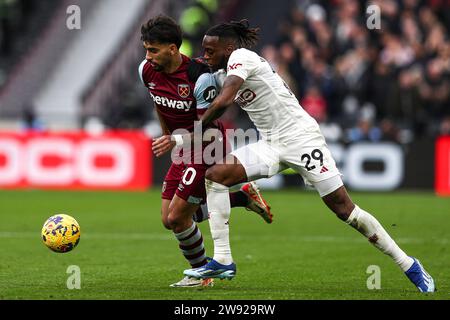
point(307, 154)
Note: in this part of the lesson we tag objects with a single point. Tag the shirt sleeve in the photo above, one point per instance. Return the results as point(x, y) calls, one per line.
point(220, 76)
point(242, 63)
point(205, 90)
point(141, 71)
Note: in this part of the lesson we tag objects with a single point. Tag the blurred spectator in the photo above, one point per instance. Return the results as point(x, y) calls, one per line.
point(389, 130)
point(20, 24)
point(391, 83)
point(380, 88)
point(315, 104)
point(435, 89)
point(403, 69)
point(285, 64)
point(412, 34)
point(427, 18)
point(444, 128)
point(29, 119)
point(364, 131)
point(390, 13)
point(269, 52)
point(435, 38)
point(345, 24)
point(405, 106)
point(396, 52)
point(331, 131)
point(444, 55)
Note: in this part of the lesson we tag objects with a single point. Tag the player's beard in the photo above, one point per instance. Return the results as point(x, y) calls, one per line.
point(163, 65)
point(157, 67)
point(221, 65)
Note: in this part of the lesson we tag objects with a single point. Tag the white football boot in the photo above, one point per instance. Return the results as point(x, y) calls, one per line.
point(256, 202)
point(188, 282)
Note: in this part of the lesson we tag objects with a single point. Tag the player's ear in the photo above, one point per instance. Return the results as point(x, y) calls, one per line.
point(173, 48)
point(229, 49)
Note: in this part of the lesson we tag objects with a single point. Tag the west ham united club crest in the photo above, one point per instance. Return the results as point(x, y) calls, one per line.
point(184, 90)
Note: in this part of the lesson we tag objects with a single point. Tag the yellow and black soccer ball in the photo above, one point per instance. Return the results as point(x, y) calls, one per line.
point(61, 233)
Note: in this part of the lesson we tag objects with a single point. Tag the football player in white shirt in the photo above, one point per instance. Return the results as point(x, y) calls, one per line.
point(290, 138)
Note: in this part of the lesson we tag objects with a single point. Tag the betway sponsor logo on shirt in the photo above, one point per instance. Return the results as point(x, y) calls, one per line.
point(170, 103)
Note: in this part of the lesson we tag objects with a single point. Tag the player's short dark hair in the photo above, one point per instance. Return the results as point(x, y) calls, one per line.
point(162, 29)
point(196, 68)
point(239, 31)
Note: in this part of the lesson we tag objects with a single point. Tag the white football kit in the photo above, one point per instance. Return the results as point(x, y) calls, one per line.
point(290, 137)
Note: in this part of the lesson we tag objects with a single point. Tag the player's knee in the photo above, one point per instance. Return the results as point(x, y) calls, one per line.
point(165, 222)
point(342, 213)
point(173, 220)
point(214, 174)
point(343, 209)
point(176, 219)
point(340, 203)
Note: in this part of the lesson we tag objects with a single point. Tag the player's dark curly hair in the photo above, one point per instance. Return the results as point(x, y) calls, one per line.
point(239, 31)
point(196, 68)
point(162, 29)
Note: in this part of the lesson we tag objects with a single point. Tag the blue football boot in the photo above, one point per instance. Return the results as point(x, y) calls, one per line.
point(421, 279)
point(212, 269)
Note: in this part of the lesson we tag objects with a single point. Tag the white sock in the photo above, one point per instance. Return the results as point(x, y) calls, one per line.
point(219, 213)
point(366, 224)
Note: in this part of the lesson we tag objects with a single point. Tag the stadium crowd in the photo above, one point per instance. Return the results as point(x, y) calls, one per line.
point(360, 80)
point(385, 83)
point(20, 23)
point(362, 77)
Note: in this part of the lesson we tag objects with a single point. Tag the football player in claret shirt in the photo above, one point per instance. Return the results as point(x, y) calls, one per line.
point(182, 89)
point(290, 138)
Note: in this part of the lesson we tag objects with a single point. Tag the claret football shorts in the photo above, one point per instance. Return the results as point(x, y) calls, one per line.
point(186, 181)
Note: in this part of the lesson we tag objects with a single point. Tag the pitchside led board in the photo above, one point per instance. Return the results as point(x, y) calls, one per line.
point(442, 166)
point(122, 160)
point(75, 160)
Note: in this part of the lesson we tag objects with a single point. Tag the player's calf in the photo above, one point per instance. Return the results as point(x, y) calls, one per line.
point(180, 214)
point(340, 203)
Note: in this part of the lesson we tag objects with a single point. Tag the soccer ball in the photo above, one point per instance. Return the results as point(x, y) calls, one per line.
point(61, 233)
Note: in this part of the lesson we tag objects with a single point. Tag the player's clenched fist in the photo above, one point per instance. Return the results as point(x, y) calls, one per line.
point(162, 144)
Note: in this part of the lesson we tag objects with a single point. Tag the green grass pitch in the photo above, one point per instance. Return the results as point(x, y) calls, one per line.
point(307, 253)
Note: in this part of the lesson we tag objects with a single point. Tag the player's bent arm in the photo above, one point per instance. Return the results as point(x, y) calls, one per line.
point(164, 143)
point(223, 100)
point(165, 130)
point(218, 107)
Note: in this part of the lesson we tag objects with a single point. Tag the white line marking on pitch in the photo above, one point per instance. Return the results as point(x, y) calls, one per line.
point(169, 236)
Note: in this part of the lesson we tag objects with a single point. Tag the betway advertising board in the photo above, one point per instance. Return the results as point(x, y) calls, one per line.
point(75, 160)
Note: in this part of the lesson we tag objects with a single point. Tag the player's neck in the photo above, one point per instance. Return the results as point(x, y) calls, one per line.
point(175, 64)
